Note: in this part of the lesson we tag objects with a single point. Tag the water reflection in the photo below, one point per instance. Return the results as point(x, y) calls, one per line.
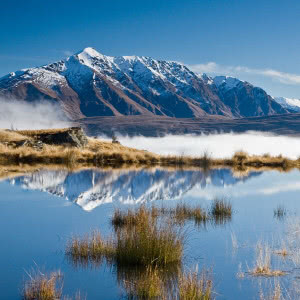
point(91, 188)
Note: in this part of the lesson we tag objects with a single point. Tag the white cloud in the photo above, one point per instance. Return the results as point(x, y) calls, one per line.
point(38, 115)
point(212, 67)
point(217, 145)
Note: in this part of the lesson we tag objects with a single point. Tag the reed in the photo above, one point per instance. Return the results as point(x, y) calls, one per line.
point(41, 286)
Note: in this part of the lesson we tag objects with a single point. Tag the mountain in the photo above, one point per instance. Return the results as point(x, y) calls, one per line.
point(91, 188)
point(90, 84)
point(288, 103)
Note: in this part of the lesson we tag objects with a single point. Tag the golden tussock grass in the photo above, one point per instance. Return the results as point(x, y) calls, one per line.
point(102, 153)
point(10, 136)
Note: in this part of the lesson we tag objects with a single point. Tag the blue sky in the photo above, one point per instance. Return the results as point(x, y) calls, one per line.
point(255, 40)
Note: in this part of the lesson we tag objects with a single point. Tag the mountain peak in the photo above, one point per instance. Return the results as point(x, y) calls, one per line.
point(90, 51)
point(91, 84)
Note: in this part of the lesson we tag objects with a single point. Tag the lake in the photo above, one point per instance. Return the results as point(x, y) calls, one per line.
point(40, 212)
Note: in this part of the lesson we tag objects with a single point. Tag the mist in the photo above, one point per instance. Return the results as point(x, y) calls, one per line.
point(38, 115)
point(217, 145)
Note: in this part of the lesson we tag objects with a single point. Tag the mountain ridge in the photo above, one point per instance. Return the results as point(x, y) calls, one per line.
point(90, 84)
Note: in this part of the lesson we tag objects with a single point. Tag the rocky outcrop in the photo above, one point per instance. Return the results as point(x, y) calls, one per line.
point(35, 144)
point(73, 136)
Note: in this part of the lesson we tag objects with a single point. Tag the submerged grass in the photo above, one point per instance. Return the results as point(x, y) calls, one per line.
point(195, 286)
point(263, 262)
point(148, 285)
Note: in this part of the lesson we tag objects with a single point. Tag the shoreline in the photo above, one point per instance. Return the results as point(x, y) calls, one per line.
point(95, 153)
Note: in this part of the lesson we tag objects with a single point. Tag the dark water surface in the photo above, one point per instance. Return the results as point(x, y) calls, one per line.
point(39, 212)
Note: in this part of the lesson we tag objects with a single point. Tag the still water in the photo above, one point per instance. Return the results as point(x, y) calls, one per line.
point(39, 212)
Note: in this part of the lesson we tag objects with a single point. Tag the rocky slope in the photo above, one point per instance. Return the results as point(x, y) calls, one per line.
point(89, 84)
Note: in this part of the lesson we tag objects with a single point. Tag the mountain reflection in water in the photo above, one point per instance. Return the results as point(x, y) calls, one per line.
point(91, 188)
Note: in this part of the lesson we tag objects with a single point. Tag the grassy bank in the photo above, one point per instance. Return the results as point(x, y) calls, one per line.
point(102, 154)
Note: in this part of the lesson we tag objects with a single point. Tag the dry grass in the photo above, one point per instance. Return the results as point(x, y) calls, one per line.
point(10, 136)
point(101, 153)
point(195, 286)
point(263, 262)
point(43, 287)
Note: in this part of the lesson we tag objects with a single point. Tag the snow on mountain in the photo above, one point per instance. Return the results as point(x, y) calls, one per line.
point(226, 82)
point(289, 103)
point(90, 188)
point(89, 84)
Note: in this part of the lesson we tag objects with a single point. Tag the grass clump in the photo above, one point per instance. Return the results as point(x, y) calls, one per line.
point(184, 212)
point(89, 248)
point(144, 243)
point(133, 217)
point(43, 287)
point(195, 286)
point(221, 210)
point(151, 243)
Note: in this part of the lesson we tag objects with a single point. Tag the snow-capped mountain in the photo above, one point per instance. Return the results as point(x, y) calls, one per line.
point(89, 84)
point(91, 188)
point(289, 103)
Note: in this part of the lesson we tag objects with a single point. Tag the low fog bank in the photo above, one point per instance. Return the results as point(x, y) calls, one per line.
point(217, 145)
point(38, 115)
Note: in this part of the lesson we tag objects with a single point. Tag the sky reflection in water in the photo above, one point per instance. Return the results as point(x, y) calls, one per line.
point(37, 220)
